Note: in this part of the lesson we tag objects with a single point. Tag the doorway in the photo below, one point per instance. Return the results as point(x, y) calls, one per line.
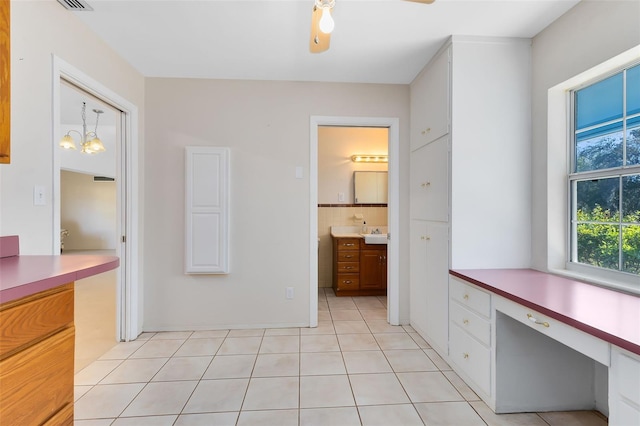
point(392, 124)
point(128, 303)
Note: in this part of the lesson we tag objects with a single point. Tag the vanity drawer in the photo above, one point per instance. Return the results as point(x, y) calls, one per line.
point(348, 256)
point(576, 339)
point(470, 322)
point(471, 357)
point(470, 296)
point(348, 267)
point(348, 244)
point(348, 282)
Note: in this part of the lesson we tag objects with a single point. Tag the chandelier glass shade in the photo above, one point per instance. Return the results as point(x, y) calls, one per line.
point(90, 143)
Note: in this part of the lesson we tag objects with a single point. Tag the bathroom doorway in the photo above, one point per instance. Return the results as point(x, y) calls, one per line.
point(391, 128)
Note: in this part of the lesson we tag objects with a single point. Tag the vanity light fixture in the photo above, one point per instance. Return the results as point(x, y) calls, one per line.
point(89, 141)
point(370, 158)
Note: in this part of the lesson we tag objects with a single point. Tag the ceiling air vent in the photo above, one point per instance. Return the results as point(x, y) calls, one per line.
point(77, 5)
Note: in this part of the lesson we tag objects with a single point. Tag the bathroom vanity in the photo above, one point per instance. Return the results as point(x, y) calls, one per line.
point(37, 333)
point(359, 268)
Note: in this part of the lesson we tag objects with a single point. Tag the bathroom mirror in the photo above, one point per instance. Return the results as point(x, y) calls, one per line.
point(370, 187)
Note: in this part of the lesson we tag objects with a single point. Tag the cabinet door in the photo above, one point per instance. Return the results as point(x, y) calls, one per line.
point(430, 181)
point(437, 263)
point(430, 103)
point(418, 275)
point(5, 82)
point(624, 388)
point(373, 269)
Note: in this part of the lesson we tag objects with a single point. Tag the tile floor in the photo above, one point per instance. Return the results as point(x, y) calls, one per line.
point(353, 369)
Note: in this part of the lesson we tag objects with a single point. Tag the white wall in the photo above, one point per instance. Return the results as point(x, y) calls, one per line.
point(88, 212)
point(266, 125)
point(590, 33)
point(40, 29)
point(336, 145)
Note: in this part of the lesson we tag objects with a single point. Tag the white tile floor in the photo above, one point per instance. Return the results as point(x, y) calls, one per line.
point(354, 369)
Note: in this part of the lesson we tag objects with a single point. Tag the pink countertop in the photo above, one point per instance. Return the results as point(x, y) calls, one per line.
point(607, 314)
point(22, 276)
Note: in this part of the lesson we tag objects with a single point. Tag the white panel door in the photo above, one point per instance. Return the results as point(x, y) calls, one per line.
point(418, 275)
point(429, 181)
point(437, 264)
point(207, 210)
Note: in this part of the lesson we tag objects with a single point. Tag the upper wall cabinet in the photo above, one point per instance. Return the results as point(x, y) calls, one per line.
point(5, 82)
point(207, 210)
point(430, 100)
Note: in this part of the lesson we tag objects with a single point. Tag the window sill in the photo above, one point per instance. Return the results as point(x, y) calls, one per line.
point(613, 284)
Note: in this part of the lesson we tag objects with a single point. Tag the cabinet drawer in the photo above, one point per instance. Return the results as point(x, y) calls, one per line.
point(32, 319)
point(470, 322)
point(348, 256)
point(348, 281)
point(628, 376)
point(576, 339)
point(470, 296)
point(348, 267)
point(38, 381)
point(348, 244)
point(472, 357)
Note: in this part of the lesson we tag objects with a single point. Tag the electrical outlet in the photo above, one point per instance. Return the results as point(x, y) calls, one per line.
point(340, 196)
point(289, 292)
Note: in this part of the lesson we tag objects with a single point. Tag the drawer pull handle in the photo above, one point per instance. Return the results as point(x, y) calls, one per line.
point(347, 282)
point(348, 256)
point(348, 267)
point(425, 238)
point(535, 320)
point(349, 244)
point(425, 184)
point(465, 297)
point(465, 321)
point(427, 130)
point(465, 355)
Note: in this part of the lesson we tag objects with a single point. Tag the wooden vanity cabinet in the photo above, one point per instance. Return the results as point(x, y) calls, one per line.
point(373, 267)
point(359, 269)
point(37, 340)
point(5, 81)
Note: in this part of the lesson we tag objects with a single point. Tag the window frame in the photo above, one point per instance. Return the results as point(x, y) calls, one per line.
point(609, 277)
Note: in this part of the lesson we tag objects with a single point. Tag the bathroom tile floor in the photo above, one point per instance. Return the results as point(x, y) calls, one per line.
point(353, 369)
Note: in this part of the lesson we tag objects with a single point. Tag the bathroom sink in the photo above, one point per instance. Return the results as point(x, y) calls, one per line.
point(375, 238)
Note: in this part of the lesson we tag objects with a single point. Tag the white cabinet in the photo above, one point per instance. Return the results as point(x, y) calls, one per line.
point(430, 181)
point(429, 277)
point(470, 335)
point(430, 102)
point(624, 388)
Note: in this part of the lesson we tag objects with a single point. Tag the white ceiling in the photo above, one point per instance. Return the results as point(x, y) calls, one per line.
point(374, 41)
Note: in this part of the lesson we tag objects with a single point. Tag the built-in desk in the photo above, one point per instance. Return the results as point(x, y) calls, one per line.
point(530, 341)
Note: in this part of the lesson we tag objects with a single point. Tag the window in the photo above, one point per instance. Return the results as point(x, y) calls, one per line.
point(605, 173)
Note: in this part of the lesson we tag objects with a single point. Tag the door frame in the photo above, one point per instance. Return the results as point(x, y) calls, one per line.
point(128, 315)
point(393, 212)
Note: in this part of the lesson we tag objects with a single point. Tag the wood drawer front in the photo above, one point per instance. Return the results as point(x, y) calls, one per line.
point(576, 339)
point(628, 376)
point(22, 323)
point(348, 256)
point(348, 243)
point(348, 281)
point(470, 296)
point(472, 357)
point(348, 267)
point(470, 322)
point(38, 381)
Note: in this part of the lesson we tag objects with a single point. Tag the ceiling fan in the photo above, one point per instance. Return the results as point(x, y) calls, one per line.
point(322, 24)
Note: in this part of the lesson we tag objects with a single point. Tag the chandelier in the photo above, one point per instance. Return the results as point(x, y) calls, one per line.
point(89, 141)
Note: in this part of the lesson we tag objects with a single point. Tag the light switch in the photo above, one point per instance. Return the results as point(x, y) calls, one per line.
point(340, 196)
point(38, 196)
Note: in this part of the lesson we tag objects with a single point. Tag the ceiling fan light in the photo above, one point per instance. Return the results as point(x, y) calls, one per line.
point(326, 22)
point(67, 142)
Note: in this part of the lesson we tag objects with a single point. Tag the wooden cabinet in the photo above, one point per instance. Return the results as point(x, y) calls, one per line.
point(359, 269)
point(37, 339)
point(5, 81)
point(373, 267)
